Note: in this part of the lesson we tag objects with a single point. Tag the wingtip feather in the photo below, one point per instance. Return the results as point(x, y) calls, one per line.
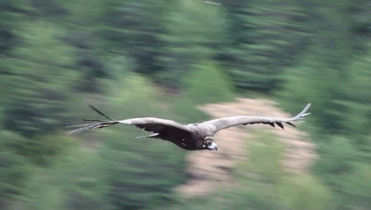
point(280, 125)
point(303, 113)
point(99, 112)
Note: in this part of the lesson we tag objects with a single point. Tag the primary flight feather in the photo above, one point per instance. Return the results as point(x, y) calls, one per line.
point(196, 136)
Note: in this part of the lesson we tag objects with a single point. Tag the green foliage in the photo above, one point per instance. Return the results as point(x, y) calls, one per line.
point(358, 100)
point(207, 83)
point(343, 172)
point(201, 34)
point(265, 155)
point(187, 108)
point(305, 192)
point(357, 188)
point(134, 29)
point(140, 173)
point(262, 184)
point(338, 90)
point(48, 9)
point(13, 169)
point(260, 175)
point(120, 172)
point(336, 158)
point(37, 74)
point(58, 56)
point(264, 37)
point(267, 186)
point(76, 181)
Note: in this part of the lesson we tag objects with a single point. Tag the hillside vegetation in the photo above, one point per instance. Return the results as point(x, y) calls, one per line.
point(165, 58)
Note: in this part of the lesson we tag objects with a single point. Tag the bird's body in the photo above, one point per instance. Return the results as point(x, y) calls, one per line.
point(195, 136)
point(188, 137)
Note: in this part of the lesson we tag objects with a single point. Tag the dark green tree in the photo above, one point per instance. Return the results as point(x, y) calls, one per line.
point(194, 31)
point(39, 79)
point(264, 37)
point(75, 181)
point(140, 173)
point(133, 29)
point(14, 169)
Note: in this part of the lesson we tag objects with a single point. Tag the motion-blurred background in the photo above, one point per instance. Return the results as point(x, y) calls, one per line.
point(164, 58)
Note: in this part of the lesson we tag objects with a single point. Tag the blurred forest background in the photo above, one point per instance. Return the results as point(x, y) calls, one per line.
point(163, 58)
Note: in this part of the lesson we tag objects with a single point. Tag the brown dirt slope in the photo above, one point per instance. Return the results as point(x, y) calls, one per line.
point(210, 170)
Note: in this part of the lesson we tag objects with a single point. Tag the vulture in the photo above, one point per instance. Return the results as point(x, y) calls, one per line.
point(195, 136)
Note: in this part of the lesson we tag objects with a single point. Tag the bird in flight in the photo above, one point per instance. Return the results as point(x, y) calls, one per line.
point(195, 136)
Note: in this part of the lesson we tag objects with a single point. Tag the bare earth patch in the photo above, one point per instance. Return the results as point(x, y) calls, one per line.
point(210, 169)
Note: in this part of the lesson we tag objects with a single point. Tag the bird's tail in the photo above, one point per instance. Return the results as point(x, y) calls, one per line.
point(95, 123)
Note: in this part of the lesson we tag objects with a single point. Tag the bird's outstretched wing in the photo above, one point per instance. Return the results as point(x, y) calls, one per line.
point(223, 123)
point(160, 128)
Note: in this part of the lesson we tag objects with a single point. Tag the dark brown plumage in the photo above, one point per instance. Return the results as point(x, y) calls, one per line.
point(196, 136)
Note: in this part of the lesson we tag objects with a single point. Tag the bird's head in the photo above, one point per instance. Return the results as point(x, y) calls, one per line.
point(209, 144)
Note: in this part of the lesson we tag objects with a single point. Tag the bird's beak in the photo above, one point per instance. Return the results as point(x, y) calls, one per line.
point(213, 146)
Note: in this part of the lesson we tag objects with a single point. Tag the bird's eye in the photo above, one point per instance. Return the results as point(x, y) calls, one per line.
point(208, 143)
